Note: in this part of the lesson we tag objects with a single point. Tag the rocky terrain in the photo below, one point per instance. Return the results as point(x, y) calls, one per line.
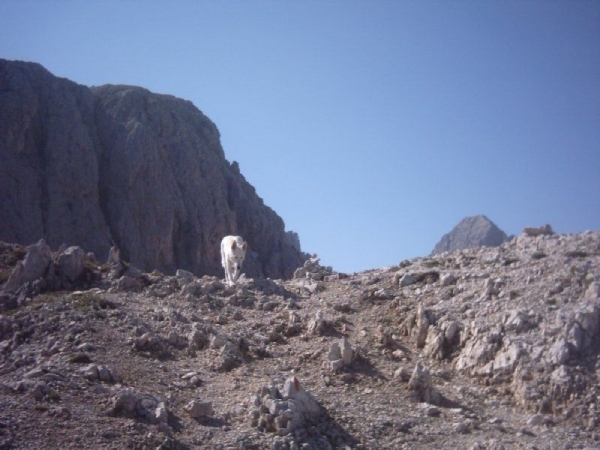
point(485, 348)
point(471, 232)
point(94, 167)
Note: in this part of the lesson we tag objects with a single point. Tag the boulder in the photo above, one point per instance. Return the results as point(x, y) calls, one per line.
point(448, 279)
point(340, 355)
point(114, 256)
point(199, 409)
point(317, 325)
point(559, 352)
point(420, 386)
point(129, 284)
point(479, 351)
point(33, 267)
point(422, 327)
point(184, 277)
point(406, 280)
point(285, 410)
point(71, 262)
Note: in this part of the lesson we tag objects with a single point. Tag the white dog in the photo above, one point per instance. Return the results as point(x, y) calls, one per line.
point(233, 252)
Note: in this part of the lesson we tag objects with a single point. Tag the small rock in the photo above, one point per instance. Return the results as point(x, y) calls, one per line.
point(124, 403)
point(559, 353)
point(129, 284)
point(448, 279)
point(71, 262)
point(420, 385)
point(161, 415)
point(346, 350)
point(462, 427)
point(407, 279)
point(197, 339)
point(317, 325)
point(184, 277)
point(337, 365)
point(402, 373)
point(198, 409)
point(433, 411)
point(104, 374)
point(422, 327)
point(536, 419)
point(35, 373)
point(90, 372)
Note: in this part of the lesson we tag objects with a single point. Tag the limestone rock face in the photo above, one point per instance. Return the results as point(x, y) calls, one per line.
point(108, 165)
point(471, 232)
point(49, 151)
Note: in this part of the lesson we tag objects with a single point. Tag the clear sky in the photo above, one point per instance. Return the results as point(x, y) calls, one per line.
point(371, 127)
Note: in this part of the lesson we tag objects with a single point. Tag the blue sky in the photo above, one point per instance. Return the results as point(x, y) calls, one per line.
point(371, 127)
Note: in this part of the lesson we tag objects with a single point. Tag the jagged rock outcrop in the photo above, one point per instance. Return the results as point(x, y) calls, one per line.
point(471, 232)
point(118, 164)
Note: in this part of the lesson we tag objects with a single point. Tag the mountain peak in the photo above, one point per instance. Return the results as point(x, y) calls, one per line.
point(473, 231)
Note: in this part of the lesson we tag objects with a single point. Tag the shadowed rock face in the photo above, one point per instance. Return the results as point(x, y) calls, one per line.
point(92, 166)
point(471, 232)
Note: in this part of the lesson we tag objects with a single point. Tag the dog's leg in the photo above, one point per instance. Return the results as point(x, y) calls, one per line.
point(227, 274)
point(230, 274)
point(224, 263)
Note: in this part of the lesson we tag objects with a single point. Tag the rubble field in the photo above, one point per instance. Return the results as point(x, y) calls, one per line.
point(487, 348)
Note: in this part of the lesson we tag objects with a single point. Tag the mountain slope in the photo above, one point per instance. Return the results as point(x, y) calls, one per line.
point(480, 348)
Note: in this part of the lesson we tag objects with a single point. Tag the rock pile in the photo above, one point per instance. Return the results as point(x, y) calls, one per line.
point(285, 410)
point(42, 270)
point(340, 355)
point(420, 385)
point(313, 270)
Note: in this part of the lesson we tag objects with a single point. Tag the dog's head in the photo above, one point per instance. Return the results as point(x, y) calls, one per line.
point(238, 253)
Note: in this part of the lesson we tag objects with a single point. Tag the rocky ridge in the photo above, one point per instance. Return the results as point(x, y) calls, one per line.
point(486, 348)
point(95, 167)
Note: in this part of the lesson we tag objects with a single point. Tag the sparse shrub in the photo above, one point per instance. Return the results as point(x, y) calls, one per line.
point(47, 298)
point(92, 302)
point(431, 263)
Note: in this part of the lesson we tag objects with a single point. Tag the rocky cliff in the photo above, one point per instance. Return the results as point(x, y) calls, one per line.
point(119, 164)
point(471, 232)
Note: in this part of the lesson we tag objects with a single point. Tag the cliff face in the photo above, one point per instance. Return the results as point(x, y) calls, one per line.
point(471, 232)
point(92, 166)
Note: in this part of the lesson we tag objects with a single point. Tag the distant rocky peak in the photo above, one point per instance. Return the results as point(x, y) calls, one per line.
point(471, 232)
